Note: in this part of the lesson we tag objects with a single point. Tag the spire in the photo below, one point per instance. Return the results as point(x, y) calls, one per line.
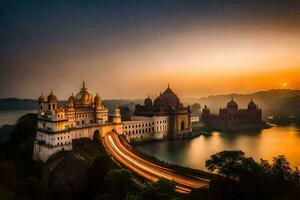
point(83, 86)
point(168, 85)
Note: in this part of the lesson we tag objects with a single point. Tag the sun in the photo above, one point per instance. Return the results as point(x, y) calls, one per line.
point(284, 84)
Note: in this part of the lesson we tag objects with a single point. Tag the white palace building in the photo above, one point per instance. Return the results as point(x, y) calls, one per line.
point(83, 116)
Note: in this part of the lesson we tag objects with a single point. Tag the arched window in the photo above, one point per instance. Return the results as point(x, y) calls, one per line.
point(182, 125)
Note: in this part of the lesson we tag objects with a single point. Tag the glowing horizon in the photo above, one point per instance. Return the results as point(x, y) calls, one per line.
point(201, 49)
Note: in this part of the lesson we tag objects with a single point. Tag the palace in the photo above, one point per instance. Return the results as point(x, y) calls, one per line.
point(233, 119)
point(84, 116)
point(58, 126)
point(174, 119)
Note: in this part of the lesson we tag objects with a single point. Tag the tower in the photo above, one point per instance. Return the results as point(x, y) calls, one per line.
point(117, 115)
point(52, 102)
point(70, 110)
point(41, 104)
point(97, 101)
point(101, 113)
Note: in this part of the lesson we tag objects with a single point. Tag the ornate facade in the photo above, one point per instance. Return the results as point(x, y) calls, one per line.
point(174, 114)
point(58, 126)
point(232, 118)
point(83, 116)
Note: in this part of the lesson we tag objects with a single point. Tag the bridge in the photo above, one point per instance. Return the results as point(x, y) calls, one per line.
point(146, 169)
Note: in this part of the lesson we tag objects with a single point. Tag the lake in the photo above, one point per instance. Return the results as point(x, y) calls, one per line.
point(11, 116)
point(267, 143)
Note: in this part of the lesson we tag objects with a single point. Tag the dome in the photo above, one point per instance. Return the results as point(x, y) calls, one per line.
point(42, 98)
point(71, 101)
point(97, 98)
point(252, 105)
point(159, 101)
point(117, 109)
point(83, 97)
point(71, 98)
point(51, 97)
point(170, 98)
point(148, 102)
point(232, 105)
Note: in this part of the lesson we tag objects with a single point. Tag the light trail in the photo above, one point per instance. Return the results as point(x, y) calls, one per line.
point(147, 169)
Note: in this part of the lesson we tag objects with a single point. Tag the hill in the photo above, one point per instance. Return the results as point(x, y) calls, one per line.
point(272, 102)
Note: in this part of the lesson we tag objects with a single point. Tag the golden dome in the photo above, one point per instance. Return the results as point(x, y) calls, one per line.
point(51, 97)
point(117, 109)
point(42, 98)
point(71, 101)
point(97, 97)
point(83, 97)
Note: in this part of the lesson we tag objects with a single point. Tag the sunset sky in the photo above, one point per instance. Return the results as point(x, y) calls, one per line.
point(129, 49)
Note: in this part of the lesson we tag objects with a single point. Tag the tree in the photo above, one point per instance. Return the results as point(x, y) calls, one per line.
point(226, 163)
point(125, 113)
point(97, 172)
point(163, 190)
point(119, 182)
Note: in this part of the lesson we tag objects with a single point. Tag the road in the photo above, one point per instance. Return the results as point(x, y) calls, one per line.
point(147, 169)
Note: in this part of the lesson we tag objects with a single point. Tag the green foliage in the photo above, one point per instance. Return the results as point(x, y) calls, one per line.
point(26, 188)
point(97, 172)
point(125, 113)
point(7, 173)
point(243, 178)
point(5, 193)
point(163, 190)
point(19, 174)
point(25, 129)
point(119, 182)
point(226, 162)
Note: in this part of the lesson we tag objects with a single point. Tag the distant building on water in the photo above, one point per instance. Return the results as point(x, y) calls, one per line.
point(232, 118)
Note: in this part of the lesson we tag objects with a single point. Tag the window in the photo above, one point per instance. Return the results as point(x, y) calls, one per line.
point(53, 106)
point(182, 125)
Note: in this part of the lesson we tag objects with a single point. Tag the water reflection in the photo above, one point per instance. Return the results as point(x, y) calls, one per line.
point(267, 143)
point(11, 116)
